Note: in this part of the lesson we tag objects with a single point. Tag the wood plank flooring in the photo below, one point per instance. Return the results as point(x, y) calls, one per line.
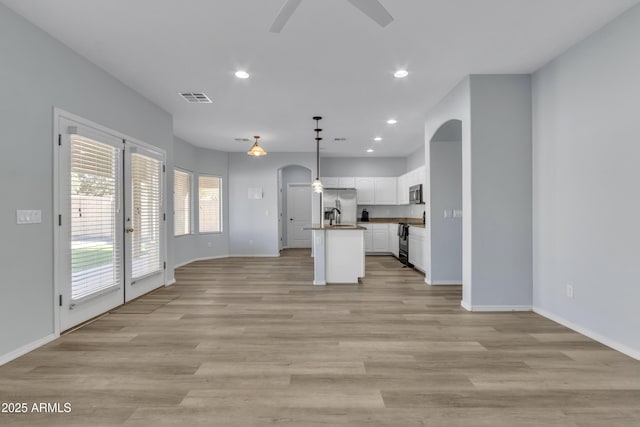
point(248, 342)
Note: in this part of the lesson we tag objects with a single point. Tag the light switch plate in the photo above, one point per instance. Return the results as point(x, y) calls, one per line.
point(457, 213)
point(24, 216)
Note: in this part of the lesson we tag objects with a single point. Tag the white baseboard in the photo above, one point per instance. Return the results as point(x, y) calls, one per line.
point(487, 308)
point(6, 358)
point(634, 353)
point(319, 283)
point(171, 282)
point(444, 283)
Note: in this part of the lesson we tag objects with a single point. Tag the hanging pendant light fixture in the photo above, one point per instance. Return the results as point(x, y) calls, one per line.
point(256, 150)
point(317, 184)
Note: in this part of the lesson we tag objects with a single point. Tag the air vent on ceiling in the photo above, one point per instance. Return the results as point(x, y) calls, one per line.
point(340, 139)
point(242, 139)
point(196, 97)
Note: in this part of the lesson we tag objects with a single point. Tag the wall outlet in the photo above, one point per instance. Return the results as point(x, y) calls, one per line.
point(570, 291)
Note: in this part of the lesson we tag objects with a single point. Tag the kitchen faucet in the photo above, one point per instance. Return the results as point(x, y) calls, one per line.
point(332, 216)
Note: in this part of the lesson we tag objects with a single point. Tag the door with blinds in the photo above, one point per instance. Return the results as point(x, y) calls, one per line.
point(111, 233)
point(144, 221)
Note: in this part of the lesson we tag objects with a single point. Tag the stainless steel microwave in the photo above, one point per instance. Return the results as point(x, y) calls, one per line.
point(415, 194)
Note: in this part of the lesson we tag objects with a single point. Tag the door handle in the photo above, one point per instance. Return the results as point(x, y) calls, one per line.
point(129, 230)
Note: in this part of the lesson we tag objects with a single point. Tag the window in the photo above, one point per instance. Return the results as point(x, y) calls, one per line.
point(209, 202)
point(181, 203)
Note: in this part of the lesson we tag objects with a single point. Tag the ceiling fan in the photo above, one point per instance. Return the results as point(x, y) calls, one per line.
point(372, 8)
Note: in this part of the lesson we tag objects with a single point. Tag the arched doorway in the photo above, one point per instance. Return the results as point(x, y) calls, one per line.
point(445, 205)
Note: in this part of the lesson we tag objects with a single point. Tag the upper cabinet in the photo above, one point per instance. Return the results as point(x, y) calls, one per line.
point(339, 182)
point(365, 191)
point(384, 191)
point(380, 190)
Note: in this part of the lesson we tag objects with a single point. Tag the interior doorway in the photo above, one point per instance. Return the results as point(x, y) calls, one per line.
point(292, 217)
point(445, 204)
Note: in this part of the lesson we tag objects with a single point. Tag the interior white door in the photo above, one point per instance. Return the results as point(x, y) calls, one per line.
point(298, 215)
point(89, 262)
point(144, 220)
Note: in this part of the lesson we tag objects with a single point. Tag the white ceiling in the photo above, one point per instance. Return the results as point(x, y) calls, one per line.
point(329, 60)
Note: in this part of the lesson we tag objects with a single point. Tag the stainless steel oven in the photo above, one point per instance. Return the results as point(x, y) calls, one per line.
point(403, 237)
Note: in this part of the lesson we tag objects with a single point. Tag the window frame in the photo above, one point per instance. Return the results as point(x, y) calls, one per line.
point(191, 217)
point(220, 204)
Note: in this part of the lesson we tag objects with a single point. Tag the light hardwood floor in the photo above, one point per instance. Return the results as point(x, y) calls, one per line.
point(247, 342)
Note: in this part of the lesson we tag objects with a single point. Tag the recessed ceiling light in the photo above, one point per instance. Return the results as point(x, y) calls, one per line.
point(242, 74)
point(370, 150)
point(392, 121)
point(400, 74)
point(377, 138)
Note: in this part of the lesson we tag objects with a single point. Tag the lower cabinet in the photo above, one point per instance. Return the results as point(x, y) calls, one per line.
point(394, 241)
point(376, 238)
point(416, 247)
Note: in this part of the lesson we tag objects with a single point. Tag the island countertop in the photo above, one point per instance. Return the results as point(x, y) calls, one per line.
point(336, 227)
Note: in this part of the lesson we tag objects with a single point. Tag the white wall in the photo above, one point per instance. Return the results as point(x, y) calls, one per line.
point(253, 224)
point(36, 75)
point(585, 177)
point(362, 166)
point(496, 189)
point(415, 159)
point(446, 194)
point(501, 191)
point(207, 162)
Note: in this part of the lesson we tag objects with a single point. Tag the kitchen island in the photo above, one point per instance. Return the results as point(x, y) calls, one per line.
point(338, 253)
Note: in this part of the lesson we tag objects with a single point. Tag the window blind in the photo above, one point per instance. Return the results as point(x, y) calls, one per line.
point(95, 199)
point(146, 204)
point(181, 203)
point(209, 204)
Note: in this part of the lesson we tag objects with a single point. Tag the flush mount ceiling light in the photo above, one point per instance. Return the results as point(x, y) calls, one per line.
point(256, 150)
point(370, 150)
point(401, 74)
point(392, 121)
point(377, 138)
point(241, 74)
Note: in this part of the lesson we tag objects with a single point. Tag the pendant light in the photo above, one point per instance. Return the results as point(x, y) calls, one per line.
point(256, 150)
point(317, 184)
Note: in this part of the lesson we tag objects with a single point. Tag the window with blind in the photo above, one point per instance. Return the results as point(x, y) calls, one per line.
point(181, 202)
point(95, 200)
point(209, 196)
point(146, 197)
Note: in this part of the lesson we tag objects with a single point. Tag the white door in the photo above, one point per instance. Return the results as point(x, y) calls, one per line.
point(298, 215)
point(143, 221)
point(111, 231)
point(90, 241)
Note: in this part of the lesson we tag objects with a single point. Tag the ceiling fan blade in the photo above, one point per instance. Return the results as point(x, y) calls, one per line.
point(283, 16)
point(374, 10)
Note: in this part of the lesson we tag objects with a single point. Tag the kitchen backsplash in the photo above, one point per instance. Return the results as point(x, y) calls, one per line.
point(380, 211)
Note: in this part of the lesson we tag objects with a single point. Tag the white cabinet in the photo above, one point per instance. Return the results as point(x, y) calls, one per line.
point(376, 237)
point(403, 190)
point(416, 250)
point(330, 182)
point(376, 191)
point(380, 238)
point(385, 190)
point(347, 182)
point(394, 241)
point(365, 188)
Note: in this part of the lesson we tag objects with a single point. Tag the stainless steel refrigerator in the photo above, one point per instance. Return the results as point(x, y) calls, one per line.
point(344, 199)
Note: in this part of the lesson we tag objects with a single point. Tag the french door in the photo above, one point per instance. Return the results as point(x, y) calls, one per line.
point(111, 231)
